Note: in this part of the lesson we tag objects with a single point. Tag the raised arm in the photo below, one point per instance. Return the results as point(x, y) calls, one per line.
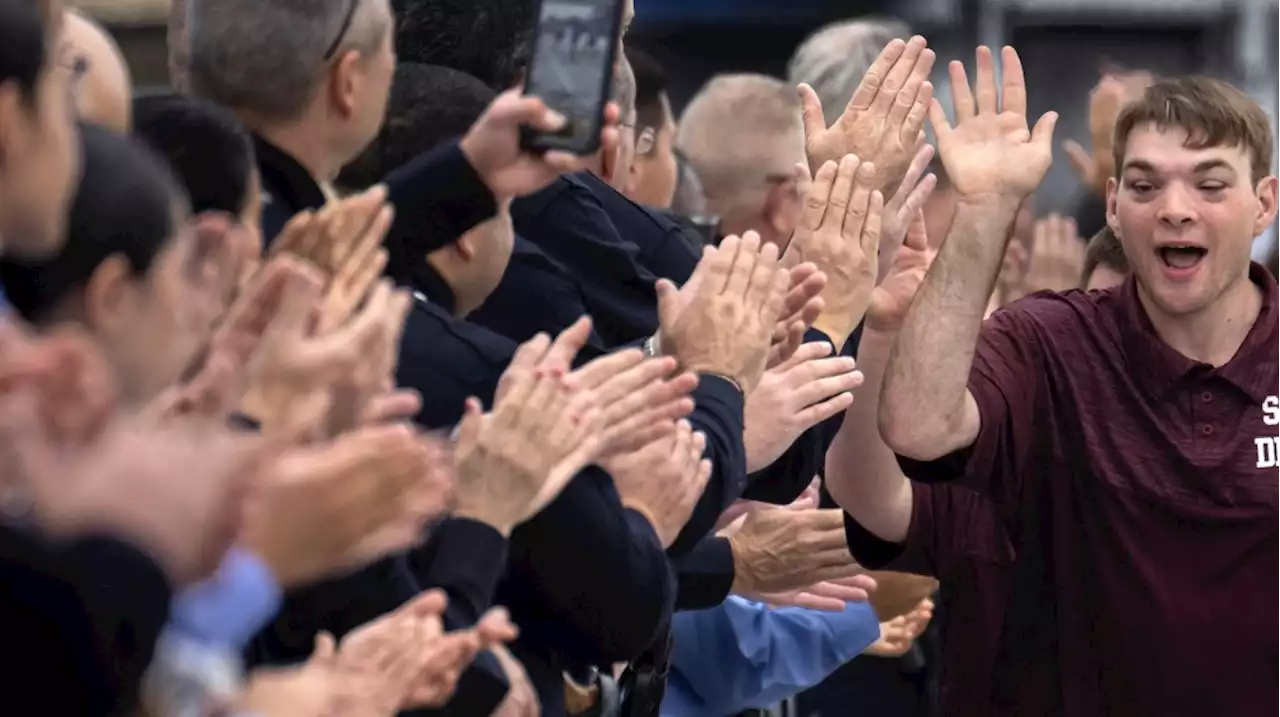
point(994, 161)
point(862, 473)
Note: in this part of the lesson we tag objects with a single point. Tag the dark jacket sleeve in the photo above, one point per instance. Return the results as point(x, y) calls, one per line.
point(438, 197)
point(466, 559)
point(705, 575)
point(718, 414)
point(782, 481)
point(590, 576)
point(85, 616)
point(337, 606)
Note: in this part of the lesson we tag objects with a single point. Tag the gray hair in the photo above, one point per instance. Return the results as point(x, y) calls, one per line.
point(268, 56)
point(834, 58)
point(737, 132)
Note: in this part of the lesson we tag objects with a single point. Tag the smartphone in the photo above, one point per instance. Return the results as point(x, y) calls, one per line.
point(571, 69)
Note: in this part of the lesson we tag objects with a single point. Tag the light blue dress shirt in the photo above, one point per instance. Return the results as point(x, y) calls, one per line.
point(743, 654)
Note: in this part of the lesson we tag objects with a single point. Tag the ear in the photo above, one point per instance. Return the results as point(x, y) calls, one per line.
point(465, 247)
point(782, 208)
point(1113, 188)
point(1266, 205)
point(344, 80)
point(106, 295)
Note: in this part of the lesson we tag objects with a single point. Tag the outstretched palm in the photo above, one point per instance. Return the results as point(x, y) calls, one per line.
point(990, 151)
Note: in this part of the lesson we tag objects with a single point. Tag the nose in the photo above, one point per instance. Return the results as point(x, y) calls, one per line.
point(1177, 206)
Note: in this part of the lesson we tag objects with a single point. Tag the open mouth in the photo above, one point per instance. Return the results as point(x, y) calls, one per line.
point(1181, 257)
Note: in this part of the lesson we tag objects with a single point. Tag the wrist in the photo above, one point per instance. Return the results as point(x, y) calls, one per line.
point(1001, 202)
point(742, 583)
point(481, 515)
point(644, 511)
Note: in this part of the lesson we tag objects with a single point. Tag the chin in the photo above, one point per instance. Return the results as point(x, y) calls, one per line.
point(1174, 299)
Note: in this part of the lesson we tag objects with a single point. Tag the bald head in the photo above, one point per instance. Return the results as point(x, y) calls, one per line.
point(103, 89)
point(740, 133)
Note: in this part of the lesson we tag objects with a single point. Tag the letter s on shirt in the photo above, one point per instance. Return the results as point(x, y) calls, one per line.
point(1271, 411)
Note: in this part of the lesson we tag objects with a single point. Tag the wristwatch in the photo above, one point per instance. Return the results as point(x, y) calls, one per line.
point(652, 347)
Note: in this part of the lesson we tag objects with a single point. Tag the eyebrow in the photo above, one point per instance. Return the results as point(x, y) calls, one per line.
point(1200, 168)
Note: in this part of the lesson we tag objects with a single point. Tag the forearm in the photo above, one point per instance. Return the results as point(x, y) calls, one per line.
point(862, 471)
point(466, 559)
point(719, 415)
point(598, 568)
point(923, 406)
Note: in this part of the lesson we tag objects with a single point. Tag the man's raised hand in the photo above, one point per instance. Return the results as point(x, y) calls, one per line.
point(990, 154)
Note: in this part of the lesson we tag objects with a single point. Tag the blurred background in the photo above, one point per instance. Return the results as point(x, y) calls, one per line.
point(1063, 44)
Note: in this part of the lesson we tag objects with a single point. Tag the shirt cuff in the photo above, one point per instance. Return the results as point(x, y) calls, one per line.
point(229, 608)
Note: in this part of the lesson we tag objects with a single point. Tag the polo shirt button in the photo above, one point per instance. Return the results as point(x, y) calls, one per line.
point(1207, 397)
point(1206, 429)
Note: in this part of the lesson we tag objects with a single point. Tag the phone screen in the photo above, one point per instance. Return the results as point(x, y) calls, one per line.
point(573, 67)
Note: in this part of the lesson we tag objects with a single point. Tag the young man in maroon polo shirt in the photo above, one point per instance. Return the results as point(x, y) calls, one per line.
point(1124, 438)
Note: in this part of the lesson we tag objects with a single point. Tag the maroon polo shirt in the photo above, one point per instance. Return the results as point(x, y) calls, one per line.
point(1142, 511)
point(957, 536)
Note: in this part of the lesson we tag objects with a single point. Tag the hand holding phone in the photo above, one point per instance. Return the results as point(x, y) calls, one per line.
point(493, 145)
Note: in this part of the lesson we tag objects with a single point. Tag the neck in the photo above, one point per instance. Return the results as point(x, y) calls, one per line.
point(443, 287)
point(302, 142)
point(1214, 334)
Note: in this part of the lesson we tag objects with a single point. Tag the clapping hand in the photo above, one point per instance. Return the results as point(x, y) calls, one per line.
point(884, 121)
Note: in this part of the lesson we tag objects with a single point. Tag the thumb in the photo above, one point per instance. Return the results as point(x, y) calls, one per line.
point(469, 429)
point(325, 647)
point(513, 108)
point(1042, 134)
point(811, 112)
point(667, 305)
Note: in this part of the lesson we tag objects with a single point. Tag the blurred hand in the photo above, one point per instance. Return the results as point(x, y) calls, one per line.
point(990, 154)
point(517, 458)
point(802, 307)
point(904, 206)
point(892, 298)
point(839, 233)
point(492, 145)
point(521, 699)
point(393, 650)
point(809, 388)
point(726, 329)
point(883, 123)
point(307, 690)
point(663, 480)
point(215, 383)
point(1113, 91)
point(367, 394)
point(344, 241)
point(784, 549)
point(450, 655)
point(1057, 256)
point(899, 634)
point(327, 509)
point(176, 492)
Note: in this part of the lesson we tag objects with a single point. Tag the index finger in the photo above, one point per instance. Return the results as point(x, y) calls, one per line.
point(838, 204)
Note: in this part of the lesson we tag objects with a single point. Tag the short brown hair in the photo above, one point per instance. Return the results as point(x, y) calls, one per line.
point(1104, 249)
point(1211, 112)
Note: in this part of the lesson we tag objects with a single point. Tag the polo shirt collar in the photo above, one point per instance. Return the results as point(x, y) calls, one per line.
point(285, 180)
point(1158, 367)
